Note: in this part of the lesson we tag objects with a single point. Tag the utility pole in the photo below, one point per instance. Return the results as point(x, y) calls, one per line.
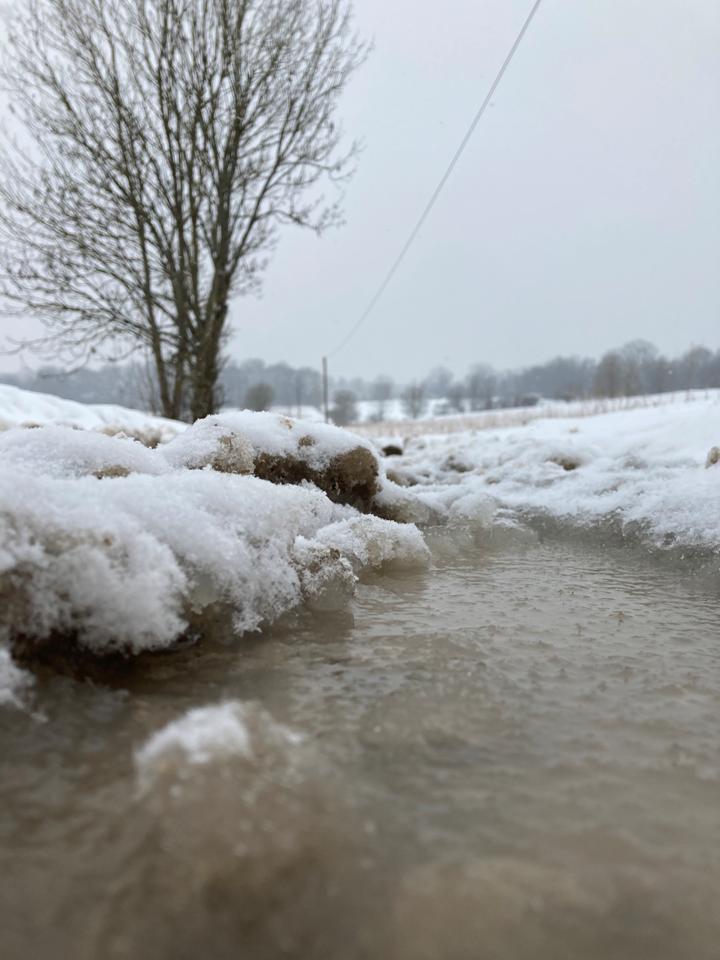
point(325, 389)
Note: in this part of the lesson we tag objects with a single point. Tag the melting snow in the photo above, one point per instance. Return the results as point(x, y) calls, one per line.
point(644, 467)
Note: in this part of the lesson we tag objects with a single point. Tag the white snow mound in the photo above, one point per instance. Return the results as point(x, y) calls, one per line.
point(316, 444)
point(119, 547)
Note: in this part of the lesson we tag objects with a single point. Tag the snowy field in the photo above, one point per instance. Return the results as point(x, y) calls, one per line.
point(396, 424)
point(647, 469)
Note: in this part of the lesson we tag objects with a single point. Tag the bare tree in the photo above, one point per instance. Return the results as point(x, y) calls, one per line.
point(609, 376)
point(437, 382)
point(164, 143)
point(344, 410)
point(480, 384)
point(259, 397)
point(381, 391)
point(456, 396)
point(413, 398)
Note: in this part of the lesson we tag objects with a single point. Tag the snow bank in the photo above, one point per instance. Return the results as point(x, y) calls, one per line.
point(643, 468)
point(19, 407)
point(112, 547)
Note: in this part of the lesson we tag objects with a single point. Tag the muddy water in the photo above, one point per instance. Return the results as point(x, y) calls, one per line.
point(514, 755)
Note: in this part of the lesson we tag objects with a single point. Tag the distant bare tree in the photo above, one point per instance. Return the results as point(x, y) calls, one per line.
point(164, 144)
point(382, 391)
point(456, 393)
point(259, 397)
point(638, 360)
point(344, 409)
point(413, 399)
point(695, 366)
point(437, 382)
point(609, 376)
point(480, 385)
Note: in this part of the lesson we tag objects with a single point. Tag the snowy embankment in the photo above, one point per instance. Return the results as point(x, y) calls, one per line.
point(649, 470)
point(110, 546)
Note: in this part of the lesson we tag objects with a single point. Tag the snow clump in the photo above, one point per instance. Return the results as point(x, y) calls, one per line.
point(213, 733)
point(110, 547)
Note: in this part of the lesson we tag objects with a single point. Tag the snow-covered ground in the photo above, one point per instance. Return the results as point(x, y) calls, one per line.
point(25, 407)
point(121, 546)
point(642, 469)
point(396, 424)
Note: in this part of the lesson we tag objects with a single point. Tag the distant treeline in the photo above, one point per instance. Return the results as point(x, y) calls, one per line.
point(636, 368)
point(131, 384)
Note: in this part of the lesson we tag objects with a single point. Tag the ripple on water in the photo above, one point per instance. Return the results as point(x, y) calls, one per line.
point(511, 755)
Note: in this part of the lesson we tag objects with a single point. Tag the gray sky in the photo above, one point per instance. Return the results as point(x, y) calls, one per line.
point(584, 213)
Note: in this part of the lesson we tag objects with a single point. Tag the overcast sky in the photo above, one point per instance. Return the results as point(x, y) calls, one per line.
point(584, 213)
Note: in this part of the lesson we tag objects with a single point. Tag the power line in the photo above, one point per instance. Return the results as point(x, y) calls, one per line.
point(438, 189)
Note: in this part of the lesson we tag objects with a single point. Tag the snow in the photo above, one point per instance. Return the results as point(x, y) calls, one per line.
point(123, 562)
point(19, 407)
point(270, 433)
point(371, 542)
point(398, 427)
point(63, 452)
point(204, 735)
point(643, 469)
point(125, 548)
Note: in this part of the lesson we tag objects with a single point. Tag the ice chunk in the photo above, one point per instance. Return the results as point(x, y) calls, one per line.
point(208, 734)
point(371, 542)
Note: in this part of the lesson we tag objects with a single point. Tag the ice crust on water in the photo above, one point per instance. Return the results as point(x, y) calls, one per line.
point(371, 542)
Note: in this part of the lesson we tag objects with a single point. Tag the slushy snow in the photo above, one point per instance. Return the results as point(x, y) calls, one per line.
point(642, 470)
